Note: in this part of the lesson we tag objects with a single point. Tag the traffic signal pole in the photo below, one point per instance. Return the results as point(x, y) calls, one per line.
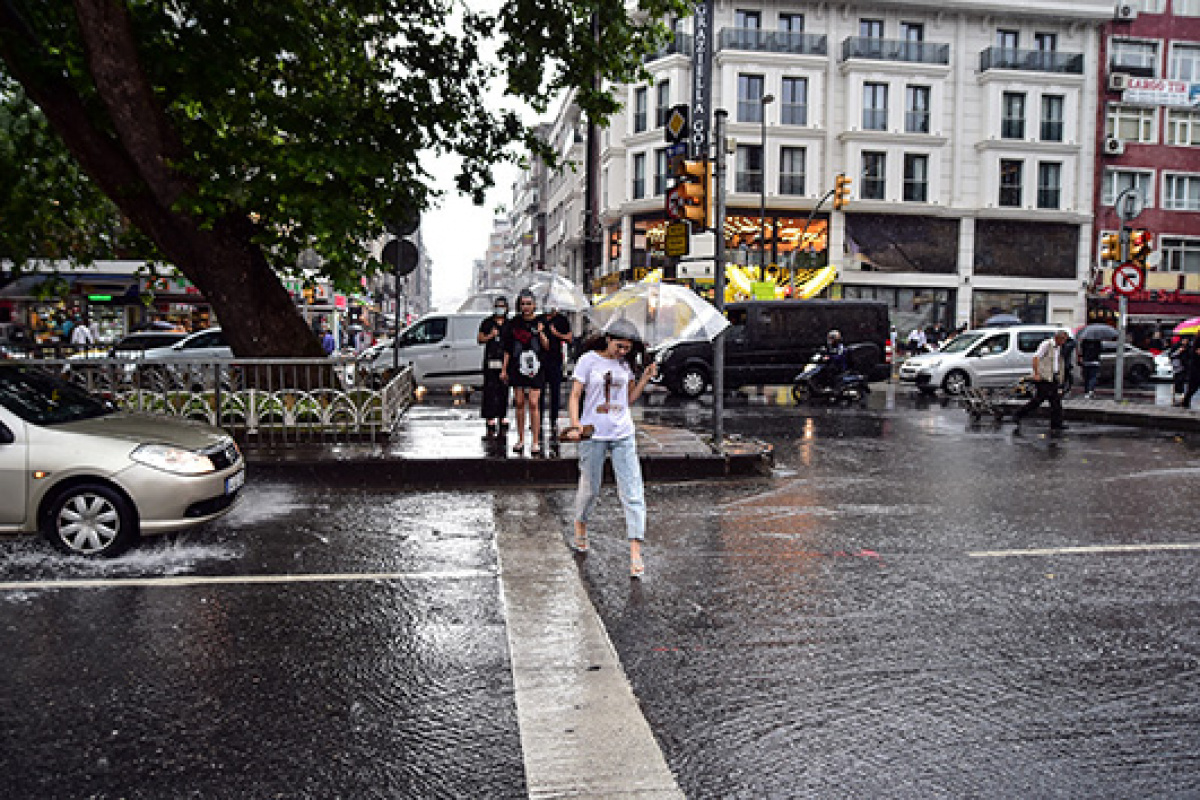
point(718, 227)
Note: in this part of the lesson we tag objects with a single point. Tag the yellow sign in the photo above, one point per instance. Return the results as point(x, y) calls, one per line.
point(676, 241)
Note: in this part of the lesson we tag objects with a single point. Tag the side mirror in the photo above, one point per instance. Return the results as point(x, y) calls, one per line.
point(6, 435)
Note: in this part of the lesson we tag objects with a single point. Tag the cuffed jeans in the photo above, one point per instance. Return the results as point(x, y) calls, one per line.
point(629, 481)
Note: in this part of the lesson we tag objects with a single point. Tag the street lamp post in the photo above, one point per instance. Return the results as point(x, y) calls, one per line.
point(767, 99)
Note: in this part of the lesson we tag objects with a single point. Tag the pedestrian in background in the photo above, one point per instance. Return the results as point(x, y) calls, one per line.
point(1089, 359)
point(494, 407)
point(602, 390)
point(525, 346)
point(1193, 371)
point(558, 332)
point(1068, 365)
point(1047, 375)
point(328, 343)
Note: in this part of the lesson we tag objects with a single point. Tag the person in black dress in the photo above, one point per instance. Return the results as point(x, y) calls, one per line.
point(525, 346)
point(495, 391)
point(558, 333)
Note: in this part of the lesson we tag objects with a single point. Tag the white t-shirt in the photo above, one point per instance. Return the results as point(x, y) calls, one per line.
point(605, 395)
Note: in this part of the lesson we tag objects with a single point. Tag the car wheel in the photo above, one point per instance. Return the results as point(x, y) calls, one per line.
point(956, 382)
point(90, 520)
point(693, 381)
point(1139, 373)
point(801, 393)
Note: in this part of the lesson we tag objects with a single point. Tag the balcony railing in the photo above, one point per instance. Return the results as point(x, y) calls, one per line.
point(1031, 60)
point(682, 45)
point(876, 49)
point(805, 44)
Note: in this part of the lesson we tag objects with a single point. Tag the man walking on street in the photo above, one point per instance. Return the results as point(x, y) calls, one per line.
point(1047, 375)
point(1089, 359)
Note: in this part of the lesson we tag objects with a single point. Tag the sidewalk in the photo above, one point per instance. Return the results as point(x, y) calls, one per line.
point(445, 445)
point(1141, 408)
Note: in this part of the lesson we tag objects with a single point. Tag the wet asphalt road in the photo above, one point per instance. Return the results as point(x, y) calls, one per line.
point(868, 622)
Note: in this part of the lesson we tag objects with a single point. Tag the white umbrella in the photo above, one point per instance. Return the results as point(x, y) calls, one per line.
point(661, 312)
point(553, 291)
point(482, 301)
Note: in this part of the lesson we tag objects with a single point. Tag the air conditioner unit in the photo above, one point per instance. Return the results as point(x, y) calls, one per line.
point(1126, 12)
point(1118, 81)
point(1113, 146)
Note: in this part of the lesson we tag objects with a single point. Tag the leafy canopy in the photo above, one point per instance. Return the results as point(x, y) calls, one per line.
point(313, 119)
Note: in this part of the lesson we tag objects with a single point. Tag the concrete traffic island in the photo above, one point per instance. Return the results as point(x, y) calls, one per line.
point(440, 446)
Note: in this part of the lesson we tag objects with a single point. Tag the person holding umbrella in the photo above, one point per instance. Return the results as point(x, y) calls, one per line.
point(1193, 371)
point(603, 388)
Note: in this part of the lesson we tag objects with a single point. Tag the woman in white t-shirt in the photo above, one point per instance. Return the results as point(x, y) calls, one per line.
point(603, 389)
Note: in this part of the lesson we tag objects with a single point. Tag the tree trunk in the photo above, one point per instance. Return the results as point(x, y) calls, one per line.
point(129, 154)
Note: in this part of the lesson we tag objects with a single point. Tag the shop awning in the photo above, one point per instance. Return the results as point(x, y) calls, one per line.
point(26, 286)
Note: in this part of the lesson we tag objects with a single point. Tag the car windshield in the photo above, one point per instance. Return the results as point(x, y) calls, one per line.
point(37, 396)
point(961, 342)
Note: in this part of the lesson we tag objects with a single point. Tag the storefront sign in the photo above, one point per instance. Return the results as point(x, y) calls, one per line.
point(701, 78)
point(1160, 92)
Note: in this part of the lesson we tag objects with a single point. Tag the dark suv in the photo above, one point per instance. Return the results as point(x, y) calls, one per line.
point(769, 342)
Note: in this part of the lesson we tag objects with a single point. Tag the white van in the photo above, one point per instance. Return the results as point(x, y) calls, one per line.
point(984, 358)
point(441, 348)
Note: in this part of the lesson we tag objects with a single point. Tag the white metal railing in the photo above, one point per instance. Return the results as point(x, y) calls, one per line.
point(261, 401)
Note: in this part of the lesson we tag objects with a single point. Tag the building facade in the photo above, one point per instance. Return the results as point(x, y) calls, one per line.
point(967, 128)
point(1148, 129)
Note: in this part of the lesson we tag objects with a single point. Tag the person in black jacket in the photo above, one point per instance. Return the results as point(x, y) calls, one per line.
point(494, 407)
point(1193, 371)
point(1089, 358)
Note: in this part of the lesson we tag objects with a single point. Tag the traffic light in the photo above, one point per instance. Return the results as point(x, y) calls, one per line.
point(1110, 247)
point(1141, 242)
point(695, 180)
point(841, 192)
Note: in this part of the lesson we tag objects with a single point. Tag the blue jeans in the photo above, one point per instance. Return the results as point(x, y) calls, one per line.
point(629, 481)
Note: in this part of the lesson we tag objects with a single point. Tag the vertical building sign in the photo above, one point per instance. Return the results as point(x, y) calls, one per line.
point(701, 78)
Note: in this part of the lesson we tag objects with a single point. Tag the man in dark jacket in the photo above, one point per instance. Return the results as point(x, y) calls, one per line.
point(1193, 371)
point(1089, 358)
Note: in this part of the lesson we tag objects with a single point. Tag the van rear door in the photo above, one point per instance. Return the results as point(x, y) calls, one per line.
point(468, 353)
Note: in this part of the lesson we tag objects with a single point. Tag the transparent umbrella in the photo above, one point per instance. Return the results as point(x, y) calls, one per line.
point(482, 301)
point(553, 291)
point(661, 312)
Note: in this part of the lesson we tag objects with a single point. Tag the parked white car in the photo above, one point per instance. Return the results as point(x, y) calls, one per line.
point(983, 358)
point(441, 348)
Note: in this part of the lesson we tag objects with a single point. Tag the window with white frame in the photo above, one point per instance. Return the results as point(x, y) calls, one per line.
point(1181, 192)
point(916, 178)
point(874, 176)
point(747, 20)
point(793, 104)
point(749, 177)
point(1049, 191)
point(1052, 118)
point(660, 171)
point(1012, 121)
point(1130, 123)
point(1011, 171)
point(662, 104)
point(1153, 6)
point(791, 170)
point(639, 176)
point(639, 109)
point(750, 94)
point(916, 109)
point(1184, 62)
point(1183, 127)
point(791, 23)
point(1179, 255)
point(1186, 8)
point(875, 110)
point(1134, 55)
point(1118, 180)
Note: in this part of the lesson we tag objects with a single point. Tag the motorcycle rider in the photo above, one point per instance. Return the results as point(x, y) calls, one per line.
point(836, 352)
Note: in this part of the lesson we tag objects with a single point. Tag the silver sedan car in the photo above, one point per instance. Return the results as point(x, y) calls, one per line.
point(93, 479)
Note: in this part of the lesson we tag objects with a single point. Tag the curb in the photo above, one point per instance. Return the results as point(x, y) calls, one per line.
point(382, 472)
point(1131, 415)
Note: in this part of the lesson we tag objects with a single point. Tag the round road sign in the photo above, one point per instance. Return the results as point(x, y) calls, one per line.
point(1128, 278)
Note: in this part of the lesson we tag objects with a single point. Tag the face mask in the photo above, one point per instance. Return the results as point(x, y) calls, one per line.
point(499, 311)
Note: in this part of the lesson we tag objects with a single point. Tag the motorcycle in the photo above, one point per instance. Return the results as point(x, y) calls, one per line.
point(818, 381)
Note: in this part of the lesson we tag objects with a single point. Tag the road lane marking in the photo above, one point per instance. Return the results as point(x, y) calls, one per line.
point(233, 580)
point(1086, 550)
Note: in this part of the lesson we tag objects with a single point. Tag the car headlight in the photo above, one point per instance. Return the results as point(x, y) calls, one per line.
point(176, 460)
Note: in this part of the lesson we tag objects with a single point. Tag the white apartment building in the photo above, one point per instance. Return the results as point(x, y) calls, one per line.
point(967, 127)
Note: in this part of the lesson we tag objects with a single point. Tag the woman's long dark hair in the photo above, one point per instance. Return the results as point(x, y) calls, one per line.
point(635, 358)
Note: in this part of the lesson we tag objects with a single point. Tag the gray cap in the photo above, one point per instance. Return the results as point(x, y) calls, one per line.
point(622, 329)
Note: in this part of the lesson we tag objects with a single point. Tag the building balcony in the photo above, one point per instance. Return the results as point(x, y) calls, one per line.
point(875, 49)
point(681, 45)
point(1031, 60)
point(805, 44)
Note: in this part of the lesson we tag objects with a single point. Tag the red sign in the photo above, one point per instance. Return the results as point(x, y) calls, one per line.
point(1128, 278)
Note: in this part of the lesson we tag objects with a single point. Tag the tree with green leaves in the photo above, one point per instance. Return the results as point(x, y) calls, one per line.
point(228, 137)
